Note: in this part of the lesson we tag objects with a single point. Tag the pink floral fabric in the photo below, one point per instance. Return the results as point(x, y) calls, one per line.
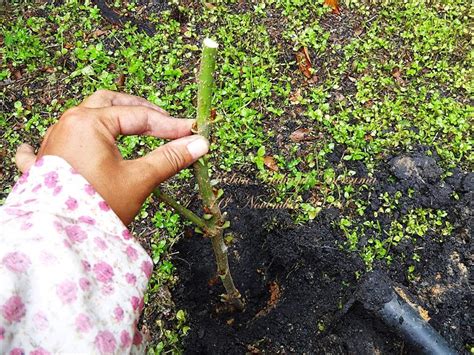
point(72, 278)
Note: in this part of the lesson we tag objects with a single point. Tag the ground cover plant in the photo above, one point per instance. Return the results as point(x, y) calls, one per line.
point(343, 142)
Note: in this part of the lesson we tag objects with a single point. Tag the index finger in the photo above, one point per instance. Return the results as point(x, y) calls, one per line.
point(107, 98)
point(141, 120)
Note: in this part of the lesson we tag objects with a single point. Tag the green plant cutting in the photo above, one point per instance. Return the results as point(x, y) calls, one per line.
point(212, 224)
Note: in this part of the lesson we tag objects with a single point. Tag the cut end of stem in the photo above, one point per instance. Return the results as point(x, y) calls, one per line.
point(210, 43)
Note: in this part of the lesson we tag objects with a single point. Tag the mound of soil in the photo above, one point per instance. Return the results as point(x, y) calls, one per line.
point(296, 280)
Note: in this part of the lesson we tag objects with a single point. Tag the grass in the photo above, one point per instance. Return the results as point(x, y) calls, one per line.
point(389, 78)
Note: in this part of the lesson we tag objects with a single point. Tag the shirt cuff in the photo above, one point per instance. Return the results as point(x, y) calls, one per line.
point(52, 176)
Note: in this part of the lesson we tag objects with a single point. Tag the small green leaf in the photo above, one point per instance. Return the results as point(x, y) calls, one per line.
point(181, 316)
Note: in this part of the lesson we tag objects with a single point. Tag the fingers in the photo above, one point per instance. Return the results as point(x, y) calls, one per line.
point(44, 144)
point(25, 157)
point(168, 160)
point(127, 120)
point(107, 98)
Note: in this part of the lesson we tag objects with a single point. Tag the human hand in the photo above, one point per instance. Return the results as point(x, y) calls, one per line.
point(85, 137)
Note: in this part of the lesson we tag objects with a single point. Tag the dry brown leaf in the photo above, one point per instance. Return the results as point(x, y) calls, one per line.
point(397, 75)
point(98, 33)
point(306, 54)
point(29, 102)
point(275, 294)
point(213, 281)
point(334, 5)
point(209, 6)
point(295, 97)
point(302, 134)
point(339, 97)
point(48, 70)
point(396, 72)
point(17, 74)
point(270, 163)
point(188, 233)
point(120, 80)
point(253, 350)
point(304, 62)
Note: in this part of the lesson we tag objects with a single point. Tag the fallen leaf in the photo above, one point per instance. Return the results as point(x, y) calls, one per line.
point(213, 114)
point(334, 5)
point(17, 74)
point(295, 97)
point(339, 97)
point(306, 54)
point(275, 294)
point(302, 134)
point(188, 232)
point(397, 75)
point(213, 281)
point(304, 62)
point(253, 350)
point(209, 6)
point(98, 33)
point(120, 80)
point(48, 70)
point(270, 163)
point(29, 103)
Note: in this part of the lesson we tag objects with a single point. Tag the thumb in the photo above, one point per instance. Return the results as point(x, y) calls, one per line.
point(172, 157)
point(25, 157)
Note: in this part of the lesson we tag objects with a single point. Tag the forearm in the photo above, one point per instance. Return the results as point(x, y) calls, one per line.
point(72, 277)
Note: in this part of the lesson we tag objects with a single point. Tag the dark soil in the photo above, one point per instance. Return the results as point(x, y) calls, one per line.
point(312, 278)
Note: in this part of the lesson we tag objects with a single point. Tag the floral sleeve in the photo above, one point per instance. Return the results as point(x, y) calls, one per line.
point(72, 278)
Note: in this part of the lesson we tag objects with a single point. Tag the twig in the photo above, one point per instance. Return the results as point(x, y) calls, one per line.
point(201, 172)
point(183, 211)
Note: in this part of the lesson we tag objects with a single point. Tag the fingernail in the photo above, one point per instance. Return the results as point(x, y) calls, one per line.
point(198, 147)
